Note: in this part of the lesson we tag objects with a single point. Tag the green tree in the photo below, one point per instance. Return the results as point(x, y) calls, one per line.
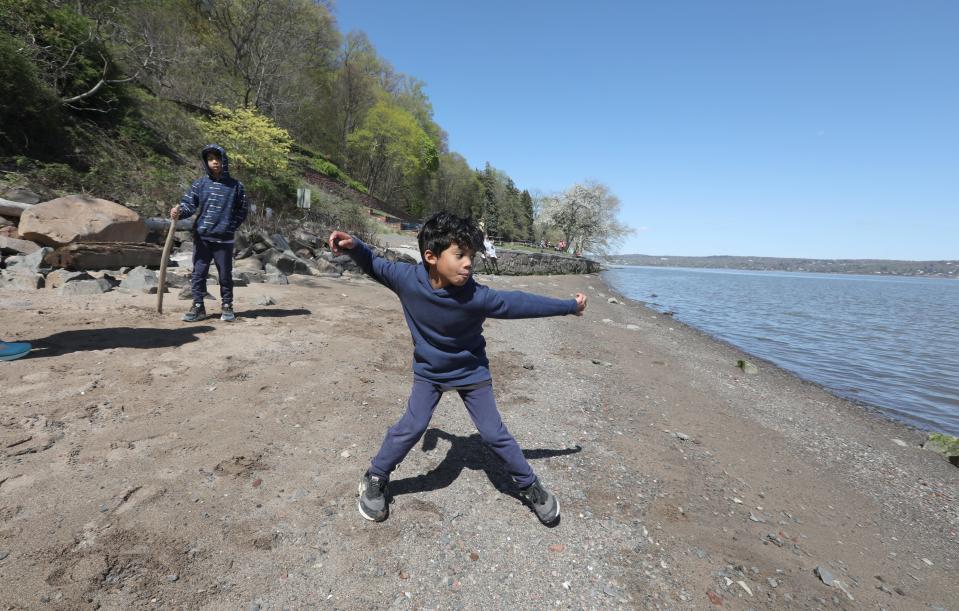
point(456, 187)
point(29, 112)
point(259, 151)
point(392, 151)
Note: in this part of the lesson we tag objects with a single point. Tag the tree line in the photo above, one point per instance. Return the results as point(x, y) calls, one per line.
point(73, 70)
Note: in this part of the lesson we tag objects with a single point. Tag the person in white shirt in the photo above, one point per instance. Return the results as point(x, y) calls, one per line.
point(490, 259)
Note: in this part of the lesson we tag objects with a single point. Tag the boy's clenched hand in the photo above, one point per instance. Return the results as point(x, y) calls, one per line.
point(175, 212)
point(340, 240)
point(580, 303)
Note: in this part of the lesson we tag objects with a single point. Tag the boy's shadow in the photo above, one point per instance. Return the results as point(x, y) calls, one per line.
point(466, 453)
point(79, 340)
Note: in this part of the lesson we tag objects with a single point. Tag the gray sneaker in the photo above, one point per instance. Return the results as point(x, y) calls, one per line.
point(543, 502)
point(226, 313)
point(373, 504)
point(197, 312)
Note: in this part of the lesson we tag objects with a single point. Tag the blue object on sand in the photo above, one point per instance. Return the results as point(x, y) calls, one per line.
point(10, 351)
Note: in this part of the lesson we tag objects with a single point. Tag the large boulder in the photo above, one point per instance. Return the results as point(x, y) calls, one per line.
point(79, 218)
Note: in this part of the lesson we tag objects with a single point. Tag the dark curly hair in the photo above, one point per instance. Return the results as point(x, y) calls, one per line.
point(443, 228)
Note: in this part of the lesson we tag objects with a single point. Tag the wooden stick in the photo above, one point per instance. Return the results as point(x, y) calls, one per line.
point(166, 257)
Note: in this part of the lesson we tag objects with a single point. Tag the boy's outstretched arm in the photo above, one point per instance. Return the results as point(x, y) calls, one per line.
point(385, 272)
point(518, 304)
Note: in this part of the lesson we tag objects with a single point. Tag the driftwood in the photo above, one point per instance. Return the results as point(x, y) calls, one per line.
point(163, 261)
point(12, 209)
point(105, 255)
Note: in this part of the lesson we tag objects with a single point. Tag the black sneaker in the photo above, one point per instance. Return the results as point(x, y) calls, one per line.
point(226, 312)
point(543, 502)
point(197, 312)
point(373, 503)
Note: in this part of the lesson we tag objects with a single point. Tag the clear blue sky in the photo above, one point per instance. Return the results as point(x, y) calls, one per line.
point(822, 128)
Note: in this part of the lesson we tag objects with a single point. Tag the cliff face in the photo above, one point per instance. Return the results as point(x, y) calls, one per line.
point(519, 263)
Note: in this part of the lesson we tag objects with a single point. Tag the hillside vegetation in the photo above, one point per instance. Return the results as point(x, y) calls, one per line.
point(115, 99)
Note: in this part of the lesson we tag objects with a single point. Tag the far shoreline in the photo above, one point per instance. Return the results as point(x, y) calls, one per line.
point(779, 271)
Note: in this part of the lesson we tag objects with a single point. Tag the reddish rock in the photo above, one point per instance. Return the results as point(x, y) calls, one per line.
point(557, 548)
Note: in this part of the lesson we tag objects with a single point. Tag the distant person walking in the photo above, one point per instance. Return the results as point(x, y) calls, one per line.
point(219, 202)
point(11, 351)
point(490, 249)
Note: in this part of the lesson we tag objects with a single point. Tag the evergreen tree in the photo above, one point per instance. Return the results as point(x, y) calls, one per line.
point(526, 205)
point(490, 208)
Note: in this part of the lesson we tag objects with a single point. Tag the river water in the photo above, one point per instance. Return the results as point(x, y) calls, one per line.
point(888, 341)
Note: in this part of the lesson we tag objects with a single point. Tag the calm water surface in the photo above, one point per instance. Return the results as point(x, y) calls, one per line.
point(891, 342)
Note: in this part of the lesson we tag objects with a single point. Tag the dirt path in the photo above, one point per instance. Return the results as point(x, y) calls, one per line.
point(149, 463)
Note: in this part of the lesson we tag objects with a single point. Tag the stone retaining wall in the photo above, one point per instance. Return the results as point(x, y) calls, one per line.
point(521, 263)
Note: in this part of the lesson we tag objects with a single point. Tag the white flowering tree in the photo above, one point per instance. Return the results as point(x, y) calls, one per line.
point(586, 216)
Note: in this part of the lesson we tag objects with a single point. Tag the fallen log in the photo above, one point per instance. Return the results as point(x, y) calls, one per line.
point(12, 209)
point(161, 225)
point(105, 255)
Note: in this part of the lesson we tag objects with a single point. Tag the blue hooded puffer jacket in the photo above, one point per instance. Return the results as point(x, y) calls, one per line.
point(221, 202)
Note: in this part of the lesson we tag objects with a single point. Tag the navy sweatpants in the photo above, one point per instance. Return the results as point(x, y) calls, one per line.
point(402, 436)
point(220, 253)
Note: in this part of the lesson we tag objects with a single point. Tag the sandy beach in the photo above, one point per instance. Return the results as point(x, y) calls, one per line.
point(149, 463)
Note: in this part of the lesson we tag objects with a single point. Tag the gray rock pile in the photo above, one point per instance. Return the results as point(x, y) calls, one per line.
point(80, 245)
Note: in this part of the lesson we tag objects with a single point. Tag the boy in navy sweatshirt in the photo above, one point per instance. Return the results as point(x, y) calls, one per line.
point(445, 309)
point(219, 202)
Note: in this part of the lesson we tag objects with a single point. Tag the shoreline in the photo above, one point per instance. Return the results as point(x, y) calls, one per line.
point(148, 462)
point(886, 412)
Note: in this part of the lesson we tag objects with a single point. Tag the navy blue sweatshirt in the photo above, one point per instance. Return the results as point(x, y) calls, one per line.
point(447, 323)
point(221, 202)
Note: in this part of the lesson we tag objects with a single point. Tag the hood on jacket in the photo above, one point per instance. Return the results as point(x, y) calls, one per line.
point(224, 160)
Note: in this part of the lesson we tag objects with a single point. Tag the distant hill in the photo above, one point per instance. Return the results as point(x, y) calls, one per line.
point(939, 269)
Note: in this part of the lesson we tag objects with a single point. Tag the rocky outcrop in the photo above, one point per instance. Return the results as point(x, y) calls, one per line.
point(79, 218)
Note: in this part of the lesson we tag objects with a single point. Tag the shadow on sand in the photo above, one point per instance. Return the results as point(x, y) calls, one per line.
point(81, 340)
point(467, 453)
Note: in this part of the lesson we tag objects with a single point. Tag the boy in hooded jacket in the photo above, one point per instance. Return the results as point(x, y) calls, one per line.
point(219, 202)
